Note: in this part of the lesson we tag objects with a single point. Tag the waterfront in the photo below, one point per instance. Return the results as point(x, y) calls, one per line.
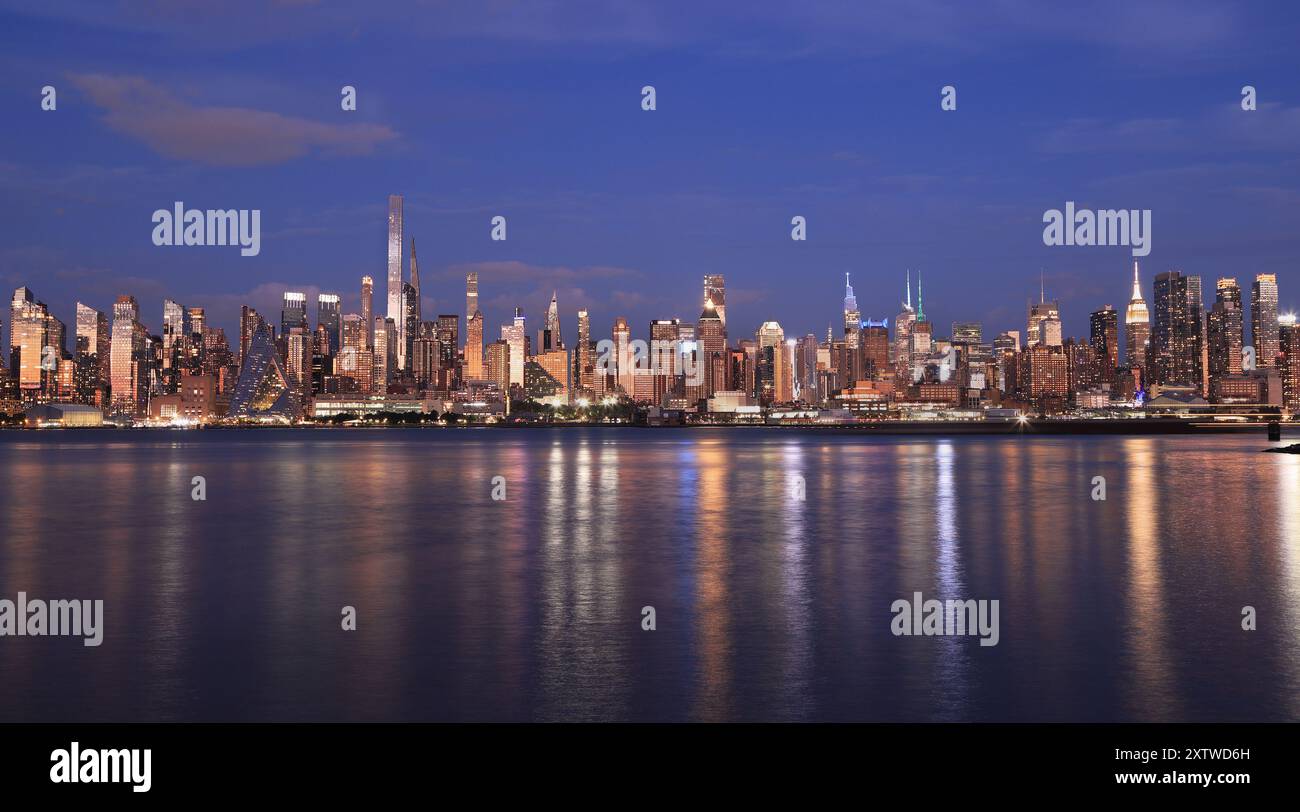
point(768, 607)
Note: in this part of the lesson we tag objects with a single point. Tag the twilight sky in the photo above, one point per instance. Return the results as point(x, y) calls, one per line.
point(532, 111)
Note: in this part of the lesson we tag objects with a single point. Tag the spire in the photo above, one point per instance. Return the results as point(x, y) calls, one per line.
point(920, 306)
point(415, 274)
point(1137, 285)
point(907, 291)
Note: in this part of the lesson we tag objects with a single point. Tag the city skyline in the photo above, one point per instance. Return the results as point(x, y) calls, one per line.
point(1140, 114)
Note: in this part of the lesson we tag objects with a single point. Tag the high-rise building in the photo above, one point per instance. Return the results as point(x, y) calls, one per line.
point(516, 334)
point(584, 368)
point(1263, 319)
point(298, 362)
point(385, 354)
point(1137, 329)
point(474, 347)
point(294, 312)
point(1289, 361)
point(32, 367)
point(715, 291)
point(396, 299)
point(263, 389)
point(176, 339)
point(1176, 334)
point(772, 386)
point(130, 366)
point(621, 363)
point(93, 352)
point(1223, 335)
point(329, 314)
point(903, 336)
point(875, 349)
point(1039, 312)
point(551, 337)
point(249, 321)
point(368, 309)
point(711, 334)
point(471, 295)
point(498, 364)
point(1103, 332)
point(664, 367)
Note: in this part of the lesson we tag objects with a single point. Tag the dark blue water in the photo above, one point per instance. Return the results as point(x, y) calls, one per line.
point(768, 607)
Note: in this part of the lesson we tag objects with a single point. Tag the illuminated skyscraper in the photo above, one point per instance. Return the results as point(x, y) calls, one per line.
point(1103, 329)
point(498, 364)
point(584, 377)
point(1175, 333)
point(902, 336)
point(1263, 319)
point(663, 359)
point(715, 290)
point(368, 309)
point(1137, 328)
point(1223, 334)
point(263, 388)
point(474, 348)
point(249, 321)
point(772, 386)
point(130, 365)
point(385, 354)
point(471, 295)
point(329, 314)
point(621, 362)
point(176, 338)
point(93, 350)
point(29, 335)
point(712, 336)
point(396, 301)
point(294, 312)
point(1289, 361)
point(551, 337)
point(516, 334)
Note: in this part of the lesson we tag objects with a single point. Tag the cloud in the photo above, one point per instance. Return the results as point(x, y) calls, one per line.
point(219, 136)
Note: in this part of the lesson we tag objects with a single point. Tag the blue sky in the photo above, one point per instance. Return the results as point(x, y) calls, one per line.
point(829, 110)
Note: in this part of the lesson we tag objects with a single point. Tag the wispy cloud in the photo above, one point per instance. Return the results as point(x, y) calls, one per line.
point(219, 136)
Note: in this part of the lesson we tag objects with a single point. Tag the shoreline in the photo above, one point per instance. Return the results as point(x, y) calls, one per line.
point(1130, 427)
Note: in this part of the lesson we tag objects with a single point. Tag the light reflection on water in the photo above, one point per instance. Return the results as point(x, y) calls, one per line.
point(768, 607)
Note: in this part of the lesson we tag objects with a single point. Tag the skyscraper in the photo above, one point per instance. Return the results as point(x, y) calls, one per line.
point(1137, 328)
point(368, 309)
point(29, 335)
point(396, 301)
point(294, 312)
point(176, 337)
point(92, 347)
point(621, 367)
point(771, 386)
point(552, 338)
point(715, 290)
point(474, 348)
point(1263, 319)
point(263, 388)
point(1175, 333)
point(902, 336)
point(516, 335)
point(712, 358)
point(1223, 334)
point(130, 359)
point(385, 354)
point(1103, 331)
point(584, 376)
point(329, 314)
point(471, 295)
point(1289, 361)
